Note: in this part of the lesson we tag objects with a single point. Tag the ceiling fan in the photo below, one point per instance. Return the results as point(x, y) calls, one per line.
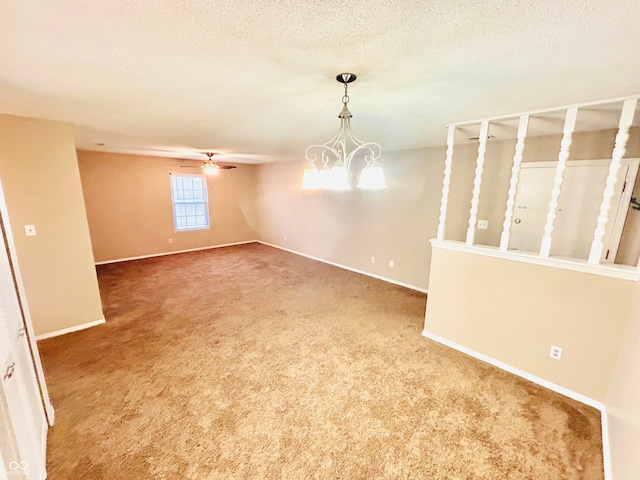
point(211, 166)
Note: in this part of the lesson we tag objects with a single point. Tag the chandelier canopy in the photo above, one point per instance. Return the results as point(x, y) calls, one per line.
point(344, 160)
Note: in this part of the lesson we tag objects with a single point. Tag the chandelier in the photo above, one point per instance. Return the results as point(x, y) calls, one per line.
point(344, 160)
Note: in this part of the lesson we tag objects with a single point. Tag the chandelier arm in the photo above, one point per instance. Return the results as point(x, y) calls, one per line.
point(355, 140)
point(313, 151)
point(349, 141)
point(374, 152)
point(311, 156)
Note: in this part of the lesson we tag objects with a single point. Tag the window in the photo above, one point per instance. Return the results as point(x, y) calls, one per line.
point(190, 205)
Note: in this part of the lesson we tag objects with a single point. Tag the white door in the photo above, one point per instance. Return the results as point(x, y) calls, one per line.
point(24, 427)
point(578, 208)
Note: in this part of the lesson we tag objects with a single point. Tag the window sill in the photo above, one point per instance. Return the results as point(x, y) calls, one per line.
point(187, 230)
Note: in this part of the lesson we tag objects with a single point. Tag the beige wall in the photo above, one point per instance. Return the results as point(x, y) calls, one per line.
point(128, 201)
point(39, 174)
point(623, 401)
point(350, 227)
point(513, 312)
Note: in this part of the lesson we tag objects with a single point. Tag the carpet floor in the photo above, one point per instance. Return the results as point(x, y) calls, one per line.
point(248, 362)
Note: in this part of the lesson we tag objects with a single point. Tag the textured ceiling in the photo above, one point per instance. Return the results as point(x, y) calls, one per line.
point(255, 78)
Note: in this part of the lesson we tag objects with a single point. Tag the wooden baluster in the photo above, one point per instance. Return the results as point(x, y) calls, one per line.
point(513, 184)
point(567, 132)
point(445, 184)
point(626, 119)
point(475, 200)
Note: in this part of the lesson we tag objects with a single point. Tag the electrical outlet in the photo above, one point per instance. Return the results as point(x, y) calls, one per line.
point(555, 352)
point(373, 259)
point(30, 230)
point(391, 264)
point(483, 224)
point(284, 237)
point(171, 240)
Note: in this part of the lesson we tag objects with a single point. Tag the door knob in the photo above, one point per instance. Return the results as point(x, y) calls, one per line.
point(517, 221)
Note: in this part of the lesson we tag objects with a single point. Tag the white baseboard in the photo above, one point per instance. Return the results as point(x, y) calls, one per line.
point(175, 252)
point(75, 328)
point(50, 411)
point(43, 445)
point(351, 269)
point(516, 371)
point(606, 448)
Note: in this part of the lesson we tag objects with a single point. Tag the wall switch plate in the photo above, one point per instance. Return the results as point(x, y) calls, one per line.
point(30, 230)
point(391, 264)
point(555, 352)
point(171, 240)
point(373, 259)
point(483, 224)
point(284, 237)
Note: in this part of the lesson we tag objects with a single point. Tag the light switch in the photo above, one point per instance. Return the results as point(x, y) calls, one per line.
point(30, 230)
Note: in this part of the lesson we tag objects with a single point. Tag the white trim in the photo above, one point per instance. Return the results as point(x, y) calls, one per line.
point(205, 201)
point(75, 328)
point(546, 110)
point(175, 252)
point(3, 471)
point(43, 440)
point(351, 269)
point(28, 321)
point(516, 371)
point(606, 445)
point(379, 277)
point(598, 162)
point(623, 272)
point(620, 214)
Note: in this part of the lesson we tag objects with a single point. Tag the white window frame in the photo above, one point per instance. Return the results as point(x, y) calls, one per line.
point(175, 203)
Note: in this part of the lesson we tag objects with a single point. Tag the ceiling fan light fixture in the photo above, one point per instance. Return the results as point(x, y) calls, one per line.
point(340, 151)
point(210, 168)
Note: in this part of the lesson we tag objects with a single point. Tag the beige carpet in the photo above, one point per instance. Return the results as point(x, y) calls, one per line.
point(248, 362)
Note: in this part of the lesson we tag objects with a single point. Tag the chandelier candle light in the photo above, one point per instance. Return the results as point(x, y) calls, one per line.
point(338, 155)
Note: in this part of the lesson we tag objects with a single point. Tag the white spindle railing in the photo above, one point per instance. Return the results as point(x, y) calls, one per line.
point(513, 184)
point(619, 149)
point(565, 144)
point(445, 183)
point(475, 200)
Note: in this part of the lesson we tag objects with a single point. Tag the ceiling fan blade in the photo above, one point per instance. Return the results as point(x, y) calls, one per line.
point(226, 167)
point(247, 157)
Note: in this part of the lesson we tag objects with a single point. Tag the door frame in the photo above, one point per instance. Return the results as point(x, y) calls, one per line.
point(618, 216)
point(9, 244)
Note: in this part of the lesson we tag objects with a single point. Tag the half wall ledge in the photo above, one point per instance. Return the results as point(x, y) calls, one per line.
point(624, 272)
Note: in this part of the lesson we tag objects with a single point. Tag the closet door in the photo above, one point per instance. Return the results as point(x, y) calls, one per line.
point(24, 433)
